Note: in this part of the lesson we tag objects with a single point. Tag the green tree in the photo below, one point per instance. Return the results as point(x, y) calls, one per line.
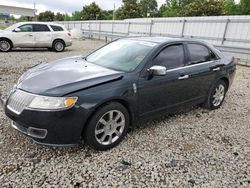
point(67, 17)
point(107, 14)
point(149, 7)
point(245, 7)
point(77, 15)
point(170, 9)
point(46, 16)
point(129, 9)
point(59, 17)
point(230, 8)
point(203, 8)
point(92, 12)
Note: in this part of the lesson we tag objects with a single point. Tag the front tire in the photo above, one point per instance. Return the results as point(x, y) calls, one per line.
point(58, 46)
point(107, 127)
point(5, 45)
point(216, 96)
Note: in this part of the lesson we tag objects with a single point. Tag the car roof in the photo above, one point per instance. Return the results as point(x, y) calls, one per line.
point(161, 40)
point(47, 23)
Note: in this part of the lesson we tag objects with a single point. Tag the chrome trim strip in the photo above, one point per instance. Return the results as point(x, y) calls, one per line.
point(188, 66)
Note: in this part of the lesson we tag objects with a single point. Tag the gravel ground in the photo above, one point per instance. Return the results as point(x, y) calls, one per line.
point(193, 148)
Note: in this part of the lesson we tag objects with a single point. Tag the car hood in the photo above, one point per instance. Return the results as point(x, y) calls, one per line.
point(65, 76)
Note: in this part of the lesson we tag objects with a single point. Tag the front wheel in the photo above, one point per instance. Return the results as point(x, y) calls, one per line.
point(5, 45)
point(216, 96)
point(107, 127)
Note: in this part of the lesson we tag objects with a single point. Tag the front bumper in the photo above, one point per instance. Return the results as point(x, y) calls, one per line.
point(53, 128)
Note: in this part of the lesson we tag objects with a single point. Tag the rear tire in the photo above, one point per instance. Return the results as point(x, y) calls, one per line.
point(107, 127)
point(5, 45)
point(58, 46)
point(216, 96)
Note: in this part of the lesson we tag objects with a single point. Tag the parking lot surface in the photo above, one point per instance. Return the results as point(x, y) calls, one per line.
point(191, 148)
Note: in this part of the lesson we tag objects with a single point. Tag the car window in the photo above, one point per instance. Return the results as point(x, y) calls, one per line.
point(56, 28)
point(200, 54)
point(40, 28)
point(26, 28)
point(171, 57)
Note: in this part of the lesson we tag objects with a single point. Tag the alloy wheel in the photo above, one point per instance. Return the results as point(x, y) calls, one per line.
point(219, 95)
point(110, 127)
point(4, 46)
point(59, 46)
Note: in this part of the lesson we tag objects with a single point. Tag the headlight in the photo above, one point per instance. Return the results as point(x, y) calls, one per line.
point(52, 103)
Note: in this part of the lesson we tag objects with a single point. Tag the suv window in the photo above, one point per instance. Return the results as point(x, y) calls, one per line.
point(40, 28)
point(200, 54)
point(26, 28)
point(171, 57)
point(56, 28)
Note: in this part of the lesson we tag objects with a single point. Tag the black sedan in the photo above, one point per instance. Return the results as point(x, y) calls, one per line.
point(96, 98)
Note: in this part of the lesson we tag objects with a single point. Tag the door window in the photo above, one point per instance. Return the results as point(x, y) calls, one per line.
point(171, 57)
point(200, 54)
point(40, 28)
point(26, 28)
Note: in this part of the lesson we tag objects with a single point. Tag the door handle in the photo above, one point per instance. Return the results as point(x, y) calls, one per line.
point(216, 69)
point(30, 35)
point(183, 77)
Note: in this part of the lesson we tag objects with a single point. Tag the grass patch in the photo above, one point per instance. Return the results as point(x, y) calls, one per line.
point(2, 27)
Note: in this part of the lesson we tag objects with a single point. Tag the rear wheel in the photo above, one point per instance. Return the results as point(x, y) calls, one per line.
point(216, 95)
point(107, 127)
point(5, 45)
point(58, 45)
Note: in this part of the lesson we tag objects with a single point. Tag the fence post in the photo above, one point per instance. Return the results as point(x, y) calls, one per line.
point(81, 25)
point(129, 28)
point(112, 30)
point(225, 32)
point(68, 26)
point(89, 29)
point(100, 30)
point(151, 27)
point(183, 28)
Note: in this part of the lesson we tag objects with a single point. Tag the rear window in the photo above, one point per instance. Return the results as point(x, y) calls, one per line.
point(40, 28)
point(56, 28)
point(200, 54)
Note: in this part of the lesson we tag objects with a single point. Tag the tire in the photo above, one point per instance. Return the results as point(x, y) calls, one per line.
point(214, 102)
point(103, 134)
point(58, 46)
point(5, 45)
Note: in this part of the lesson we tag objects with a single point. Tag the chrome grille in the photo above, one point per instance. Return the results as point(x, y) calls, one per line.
point(18, 101)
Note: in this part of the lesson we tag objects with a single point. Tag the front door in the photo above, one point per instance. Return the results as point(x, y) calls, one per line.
point(172, 89)
point(25, 37)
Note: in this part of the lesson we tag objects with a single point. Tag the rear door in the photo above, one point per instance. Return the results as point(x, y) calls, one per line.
point(172, 89)
point(203, 66)
point(43, 35)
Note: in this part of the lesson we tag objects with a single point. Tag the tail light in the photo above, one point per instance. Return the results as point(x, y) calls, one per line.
point(69, 34)
point(234, 61)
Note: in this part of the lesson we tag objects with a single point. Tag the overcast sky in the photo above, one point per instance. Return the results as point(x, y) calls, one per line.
point(64, 5)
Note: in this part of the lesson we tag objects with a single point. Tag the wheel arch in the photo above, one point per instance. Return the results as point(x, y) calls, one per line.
point(5, 38)
point(56, 39)
point(226, 80)
point(123, 102)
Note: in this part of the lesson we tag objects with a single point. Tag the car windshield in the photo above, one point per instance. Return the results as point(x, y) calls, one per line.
point(123, 55)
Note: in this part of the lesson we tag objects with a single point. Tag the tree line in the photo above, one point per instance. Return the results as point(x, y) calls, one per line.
point(149, 8)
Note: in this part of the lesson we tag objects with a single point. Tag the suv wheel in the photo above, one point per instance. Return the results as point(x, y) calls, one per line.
point(107, 127)
point(216, 95)
point(5, 45)
point(58, 45)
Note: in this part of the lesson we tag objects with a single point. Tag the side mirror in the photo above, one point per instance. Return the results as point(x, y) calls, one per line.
point(158, 70)
point(17, 30)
